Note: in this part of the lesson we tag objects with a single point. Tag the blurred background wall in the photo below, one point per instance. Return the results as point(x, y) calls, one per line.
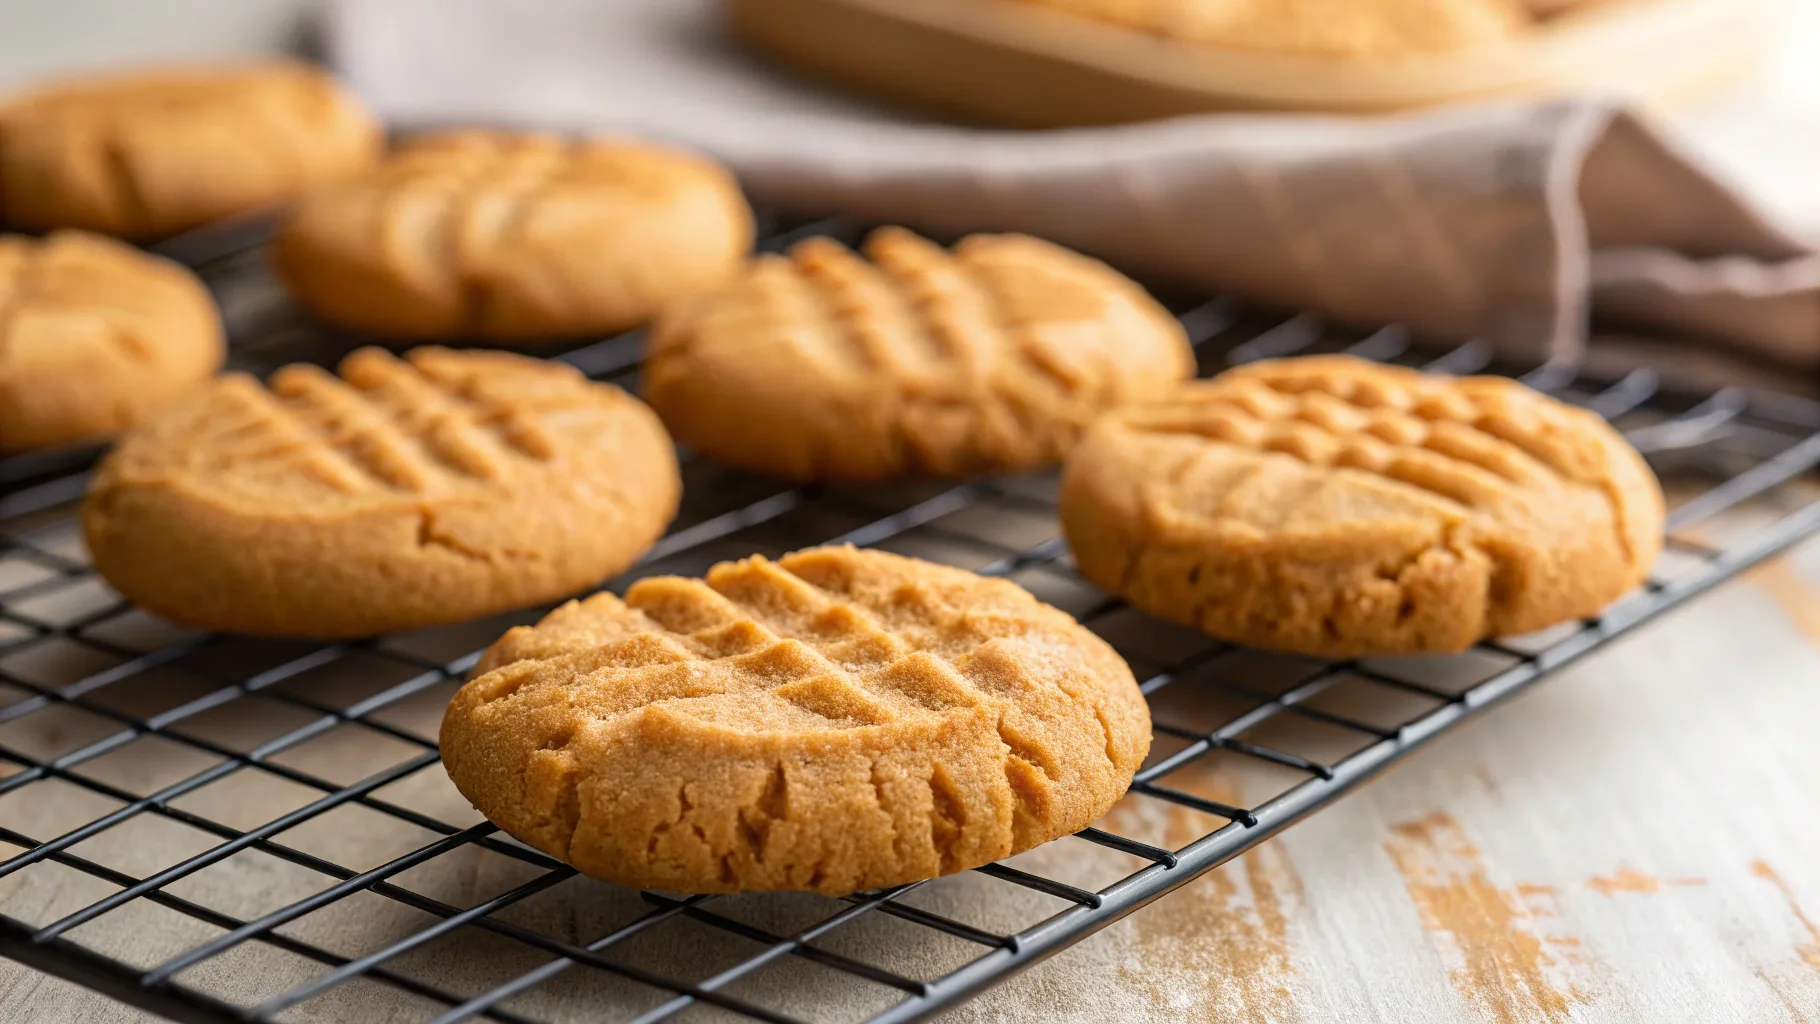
point(38, 37)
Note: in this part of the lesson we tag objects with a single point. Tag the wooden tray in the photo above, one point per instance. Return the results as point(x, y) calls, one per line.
point(1009, 63)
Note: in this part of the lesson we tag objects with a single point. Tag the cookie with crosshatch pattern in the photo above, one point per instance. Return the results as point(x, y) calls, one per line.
point(912, 361)
point(95, 336)
point(513, 237)
point(404, 493)
point(836, 720)
point(1330, 506)
point(149, 152)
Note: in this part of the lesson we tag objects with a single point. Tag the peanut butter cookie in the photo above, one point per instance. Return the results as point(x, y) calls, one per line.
point(404, 493)
point(836, 720)
point(915, 361)
point(1330, 506)
point(144, 154)
point(514, 238)
point(95, 336)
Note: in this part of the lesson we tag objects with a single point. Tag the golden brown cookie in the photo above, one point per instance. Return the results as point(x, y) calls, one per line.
point(1359, 28)
point(1330, 506)
point(915, 361)
point(95, 336)
point(514, 238)
point(405, 493)
point(836, 720)
point(144, 154)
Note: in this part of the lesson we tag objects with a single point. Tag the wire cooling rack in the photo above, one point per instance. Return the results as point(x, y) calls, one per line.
point(219, 828)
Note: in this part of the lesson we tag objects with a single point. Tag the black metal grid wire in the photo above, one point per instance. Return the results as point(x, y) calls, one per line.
point(1319, 728)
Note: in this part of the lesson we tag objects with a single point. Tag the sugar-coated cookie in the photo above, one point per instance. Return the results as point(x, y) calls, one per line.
point(95, 336)
point(836, 720)
point(405, 492)
point(148, 153)
point(912, 361)
point(1330, 506)
point(514, 237)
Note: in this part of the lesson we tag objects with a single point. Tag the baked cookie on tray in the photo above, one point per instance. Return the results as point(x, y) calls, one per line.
point(1330, 506)
point(404, 493)
point(514, 238)
point(95, 337)
point(148, 153)
point(914, 360)
point(837, 720)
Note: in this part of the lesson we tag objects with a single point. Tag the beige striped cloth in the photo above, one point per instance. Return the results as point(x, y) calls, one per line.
point(1508, 223)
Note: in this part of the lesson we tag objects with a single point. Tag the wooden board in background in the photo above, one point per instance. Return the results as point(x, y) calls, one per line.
point(1008, 63)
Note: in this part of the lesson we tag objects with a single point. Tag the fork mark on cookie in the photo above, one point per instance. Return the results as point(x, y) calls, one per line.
point(401, 428)
point(1408, 436)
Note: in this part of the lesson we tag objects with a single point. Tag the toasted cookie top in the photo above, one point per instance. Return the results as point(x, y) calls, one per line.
point(437, 426)
point(496, 234)
point(148, 152)
point(1360, 481)
point(95, 335)
point(515, 478)
point(836, 720)
point(914, 360)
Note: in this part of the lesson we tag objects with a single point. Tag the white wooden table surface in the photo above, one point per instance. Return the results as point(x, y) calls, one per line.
point(1636, 840)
